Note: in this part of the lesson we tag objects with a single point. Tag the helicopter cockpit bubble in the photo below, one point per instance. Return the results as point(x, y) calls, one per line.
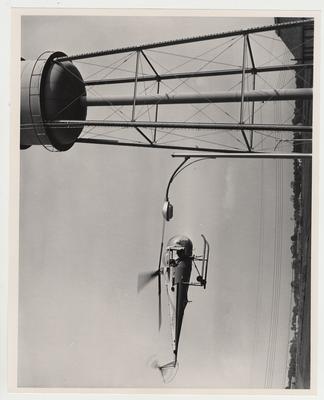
point(180, 245)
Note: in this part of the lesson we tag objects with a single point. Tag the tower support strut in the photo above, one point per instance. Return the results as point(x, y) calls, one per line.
point(218, 97)
point(181, 125)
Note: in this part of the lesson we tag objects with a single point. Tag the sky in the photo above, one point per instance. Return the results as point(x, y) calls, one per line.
point(90, 221)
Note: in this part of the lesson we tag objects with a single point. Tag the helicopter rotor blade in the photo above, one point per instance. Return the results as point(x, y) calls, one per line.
point(160, 305)
point(145, 278)
point(159, 285)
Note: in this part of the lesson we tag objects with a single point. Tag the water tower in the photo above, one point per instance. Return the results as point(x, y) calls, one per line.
point(55, 99)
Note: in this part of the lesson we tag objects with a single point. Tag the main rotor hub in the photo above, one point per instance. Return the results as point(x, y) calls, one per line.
point(50, 90)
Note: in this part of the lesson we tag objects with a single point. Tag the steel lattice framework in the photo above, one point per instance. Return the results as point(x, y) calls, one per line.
point(243, 96)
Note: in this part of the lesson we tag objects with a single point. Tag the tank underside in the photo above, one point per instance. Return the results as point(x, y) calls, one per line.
point(50, 91)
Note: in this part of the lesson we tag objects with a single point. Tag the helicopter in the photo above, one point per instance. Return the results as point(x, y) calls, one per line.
point(178, 264)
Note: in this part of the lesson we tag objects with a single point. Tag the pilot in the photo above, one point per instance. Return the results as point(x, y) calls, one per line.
point(181, 254)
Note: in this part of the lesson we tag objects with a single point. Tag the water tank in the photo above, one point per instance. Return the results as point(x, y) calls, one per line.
point(50, 90)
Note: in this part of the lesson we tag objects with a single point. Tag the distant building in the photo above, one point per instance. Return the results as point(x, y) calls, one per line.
point(298, 39)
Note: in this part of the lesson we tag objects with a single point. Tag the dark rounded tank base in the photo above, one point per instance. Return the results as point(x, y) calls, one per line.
point(50, 91)
point(61, 99)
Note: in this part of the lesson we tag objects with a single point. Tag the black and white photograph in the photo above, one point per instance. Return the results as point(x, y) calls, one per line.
point(165, 201)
